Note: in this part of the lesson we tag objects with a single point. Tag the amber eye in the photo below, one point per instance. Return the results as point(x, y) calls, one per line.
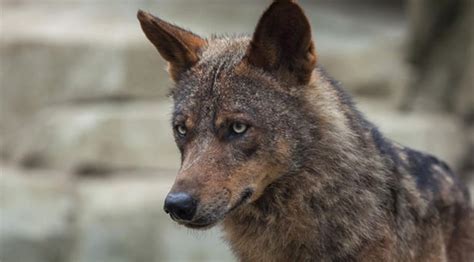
point(239, 128)
point(181, 130)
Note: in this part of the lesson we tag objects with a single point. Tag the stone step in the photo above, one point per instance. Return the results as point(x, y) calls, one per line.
point(49, 216)
point(91, 138)
point(36, 213)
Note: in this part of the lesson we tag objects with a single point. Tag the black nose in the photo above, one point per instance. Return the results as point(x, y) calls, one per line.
point(180, 206)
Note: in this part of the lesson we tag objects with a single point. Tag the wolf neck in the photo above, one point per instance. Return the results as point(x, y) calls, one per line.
point(335, 197)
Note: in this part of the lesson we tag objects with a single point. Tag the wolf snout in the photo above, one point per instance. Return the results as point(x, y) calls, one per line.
point(180, 206)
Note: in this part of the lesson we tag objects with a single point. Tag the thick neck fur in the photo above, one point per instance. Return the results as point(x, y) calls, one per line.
point(323, 194)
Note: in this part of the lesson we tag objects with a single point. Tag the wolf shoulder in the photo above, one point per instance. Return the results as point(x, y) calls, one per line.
point(434, 179)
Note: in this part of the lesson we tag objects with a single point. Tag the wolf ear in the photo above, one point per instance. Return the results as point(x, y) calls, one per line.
point(177, 46)
point(282, 41)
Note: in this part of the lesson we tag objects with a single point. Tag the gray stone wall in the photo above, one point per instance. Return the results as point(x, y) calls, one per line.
point(86, 152)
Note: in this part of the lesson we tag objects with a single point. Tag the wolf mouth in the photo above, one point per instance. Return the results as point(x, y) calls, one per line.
point(198, 225)
point(245, 195)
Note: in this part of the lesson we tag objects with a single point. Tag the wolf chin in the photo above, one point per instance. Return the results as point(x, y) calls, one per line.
point(275, 152)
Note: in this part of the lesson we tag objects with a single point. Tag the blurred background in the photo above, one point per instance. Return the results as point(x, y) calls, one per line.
point(86, 152)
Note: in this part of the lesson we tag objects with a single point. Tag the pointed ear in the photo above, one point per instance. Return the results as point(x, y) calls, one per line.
point(282, 42)
point(177, 46)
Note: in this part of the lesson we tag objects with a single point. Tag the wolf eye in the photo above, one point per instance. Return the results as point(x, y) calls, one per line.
point(181, 130)
point(239, 128)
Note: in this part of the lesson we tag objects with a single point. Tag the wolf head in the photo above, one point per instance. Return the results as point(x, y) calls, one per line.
point(239, 115)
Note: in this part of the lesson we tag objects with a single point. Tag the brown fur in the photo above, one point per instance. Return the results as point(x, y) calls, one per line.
point(178, 46)
point(310, 179)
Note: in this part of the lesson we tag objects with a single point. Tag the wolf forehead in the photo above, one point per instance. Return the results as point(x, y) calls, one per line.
point(222, 78)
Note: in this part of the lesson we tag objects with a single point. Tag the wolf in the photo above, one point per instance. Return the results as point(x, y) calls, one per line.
point(274, 151)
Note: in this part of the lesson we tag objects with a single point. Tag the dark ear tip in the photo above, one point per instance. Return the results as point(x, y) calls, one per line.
point(141, 14)
point(144, 16)
point(288, 2)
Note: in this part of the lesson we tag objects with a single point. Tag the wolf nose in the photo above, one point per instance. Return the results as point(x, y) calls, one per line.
point(180, 206)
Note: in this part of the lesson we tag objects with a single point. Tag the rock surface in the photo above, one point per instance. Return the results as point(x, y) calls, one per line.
point(36, 217)
point(100, 138)
point(56, 217)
